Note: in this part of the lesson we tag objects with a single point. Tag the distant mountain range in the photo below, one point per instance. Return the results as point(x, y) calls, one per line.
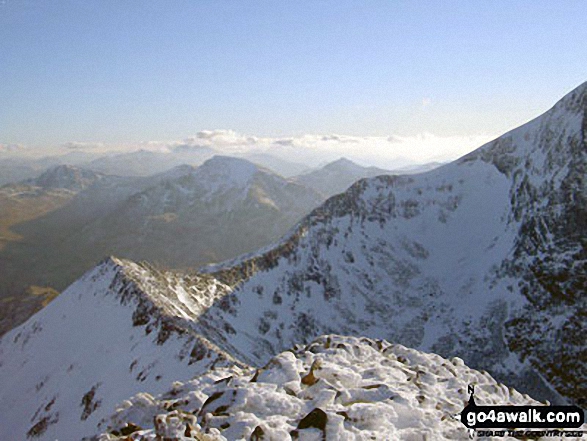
point(17, 169)
point(338, 176)
point(219, 210)
point(145, 163)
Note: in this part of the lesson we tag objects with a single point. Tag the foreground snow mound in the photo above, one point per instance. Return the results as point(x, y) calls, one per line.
point(335, 388)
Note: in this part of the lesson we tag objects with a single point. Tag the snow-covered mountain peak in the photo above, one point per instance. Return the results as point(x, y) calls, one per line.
point(543, 146)
point(236, 172)
point(337, 176)
point(574, 100)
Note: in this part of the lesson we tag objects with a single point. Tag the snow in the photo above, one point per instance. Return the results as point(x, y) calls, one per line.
point(221, 173)
point(450, 261)
point(366, 389)
point(84, 340)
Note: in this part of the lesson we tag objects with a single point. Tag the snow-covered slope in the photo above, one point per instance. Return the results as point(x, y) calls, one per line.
point(335, 388)
point(483, 258)
point(117, 331)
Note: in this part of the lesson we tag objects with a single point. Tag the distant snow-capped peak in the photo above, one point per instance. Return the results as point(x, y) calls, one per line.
point(227, 172)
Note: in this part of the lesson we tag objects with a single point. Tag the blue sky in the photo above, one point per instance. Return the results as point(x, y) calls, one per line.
point(129, 71)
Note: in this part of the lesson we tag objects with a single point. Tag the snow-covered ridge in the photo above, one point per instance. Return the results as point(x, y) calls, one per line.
point(335, 388)
point(111, 334)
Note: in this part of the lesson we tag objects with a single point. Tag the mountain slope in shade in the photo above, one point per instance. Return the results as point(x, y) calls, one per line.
point(337, 176)
point(223, 208)
point(38, 216)
point(335, 388)
point(483, 258)
point(117, 331)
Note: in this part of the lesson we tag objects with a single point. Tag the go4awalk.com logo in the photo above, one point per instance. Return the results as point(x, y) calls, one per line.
point(514, 418)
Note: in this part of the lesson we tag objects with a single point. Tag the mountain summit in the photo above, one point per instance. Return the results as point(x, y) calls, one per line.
point(339, 388)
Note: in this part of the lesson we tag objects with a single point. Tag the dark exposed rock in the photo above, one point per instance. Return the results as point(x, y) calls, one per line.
point(88, 403)
point(317, 418)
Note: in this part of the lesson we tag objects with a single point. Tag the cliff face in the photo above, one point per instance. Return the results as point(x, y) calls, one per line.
point(549, 203)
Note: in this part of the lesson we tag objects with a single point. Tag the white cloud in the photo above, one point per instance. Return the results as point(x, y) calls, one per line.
point(340, 138)
point(76, 145)
point(383, 151)
point(224, 138)
point(390, 151)
point(285, 142)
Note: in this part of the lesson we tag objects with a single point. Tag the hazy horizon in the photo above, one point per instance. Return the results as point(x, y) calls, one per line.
point(437, 80)
point(310, 150)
